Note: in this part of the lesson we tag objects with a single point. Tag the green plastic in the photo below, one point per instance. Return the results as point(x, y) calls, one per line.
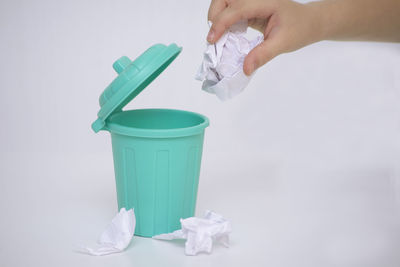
point(157, 152)
point(157, 156)
point(133, 77)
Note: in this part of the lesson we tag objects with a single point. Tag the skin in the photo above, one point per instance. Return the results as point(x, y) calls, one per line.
point(288, 25)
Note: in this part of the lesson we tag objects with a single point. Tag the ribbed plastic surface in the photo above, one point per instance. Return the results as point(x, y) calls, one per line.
point(159, 178)
point(157, 157)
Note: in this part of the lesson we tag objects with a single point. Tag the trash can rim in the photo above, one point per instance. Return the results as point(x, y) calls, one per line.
point(117, 128)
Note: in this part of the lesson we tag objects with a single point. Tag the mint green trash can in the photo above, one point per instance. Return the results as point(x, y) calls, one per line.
point(157, 152)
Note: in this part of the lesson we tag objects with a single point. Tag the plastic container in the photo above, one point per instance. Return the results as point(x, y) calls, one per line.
point(157, 152)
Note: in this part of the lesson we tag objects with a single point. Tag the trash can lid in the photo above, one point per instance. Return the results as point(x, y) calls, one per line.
point(133, 77)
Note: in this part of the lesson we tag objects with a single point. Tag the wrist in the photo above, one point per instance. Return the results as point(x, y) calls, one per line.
point(318, 21)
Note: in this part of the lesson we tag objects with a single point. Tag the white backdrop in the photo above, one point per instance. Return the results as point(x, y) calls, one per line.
point(305, 162)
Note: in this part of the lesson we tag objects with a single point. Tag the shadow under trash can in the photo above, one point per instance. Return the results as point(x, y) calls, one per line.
point(157, 152)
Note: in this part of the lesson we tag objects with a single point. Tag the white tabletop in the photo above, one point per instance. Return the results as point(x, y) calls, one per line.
point(296, 218)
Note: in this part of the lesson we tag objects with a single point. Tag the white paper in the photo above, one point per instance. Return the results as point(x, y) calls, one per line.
point(200, 233)
point(222, 68)
point(117, 235)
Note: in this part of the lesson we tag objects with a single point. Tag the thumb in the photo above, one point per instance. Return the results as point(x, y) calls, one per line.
point(261, 54)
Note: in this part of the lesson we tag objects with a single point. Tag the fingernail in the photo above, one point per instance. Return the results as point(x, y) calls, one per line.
point(253, 67)
point(210, 36)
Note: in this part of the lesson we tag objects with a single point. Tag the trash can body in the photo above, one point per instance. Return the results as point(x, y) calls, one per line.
point(157, 156)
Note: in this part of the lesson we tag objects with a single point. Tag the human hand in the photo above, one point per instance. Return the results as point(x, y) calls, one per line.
point(285, 24)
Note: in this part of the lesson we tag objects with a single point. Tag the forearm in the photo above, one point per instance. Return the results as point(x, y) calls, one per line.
point(358, 20)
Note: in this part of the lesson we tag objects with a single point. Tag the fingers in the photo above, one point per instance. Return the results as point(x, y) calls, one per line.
point(228, 12)
point(261, 54)
point(216, 7)
point(223, 21)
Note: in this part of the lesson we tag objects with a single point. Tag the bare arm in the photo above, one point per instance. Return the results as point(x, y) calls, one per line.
point(288, 25)
point(361, 20)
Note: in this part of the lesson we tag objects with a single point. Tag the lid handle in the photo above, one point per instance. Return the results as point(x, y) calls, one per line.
point(121, 64)
point(98, 125)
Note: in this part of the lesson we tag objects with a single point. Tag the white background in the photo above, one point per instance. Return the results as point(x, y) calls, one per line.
point(305, 162)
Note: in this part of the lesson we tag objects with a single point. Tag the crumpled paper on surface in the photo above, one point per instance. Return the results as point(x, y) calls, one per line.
point(222, 68)
point(117, 235)
point(200, 233)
